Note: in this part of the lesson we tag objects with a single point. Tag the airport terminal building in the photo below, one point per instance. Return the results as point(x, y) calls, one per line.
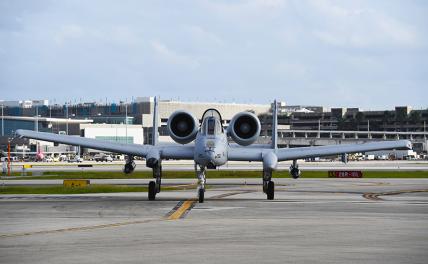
point(299, 125)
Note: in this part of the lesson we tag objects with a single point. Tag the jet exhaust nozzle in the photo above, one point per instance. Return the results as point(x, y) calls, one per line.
point(182, 127)
point(244, 128)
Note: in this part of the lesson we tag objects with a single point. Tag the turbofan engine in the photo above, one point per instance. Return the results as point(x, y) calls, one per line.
point(182, 127)
point(244, 128)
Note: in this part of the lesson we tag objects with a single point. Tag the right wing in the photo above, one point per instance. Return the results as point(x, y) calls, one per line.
point(166, 152)
point(320, 151)
point(256, 154)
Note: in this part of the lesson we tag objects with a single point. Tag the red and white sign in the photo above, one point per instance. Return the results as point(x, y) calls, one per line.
point(345, 174)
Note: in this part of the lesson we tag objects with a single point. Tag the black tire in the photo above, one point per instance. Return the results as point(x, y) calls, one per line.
point(270, 190)
point(201, 193)
point(152, 191)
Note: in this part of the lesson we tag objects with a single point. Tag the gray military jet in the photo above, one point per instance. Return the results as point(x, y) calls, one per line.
point(211, 147)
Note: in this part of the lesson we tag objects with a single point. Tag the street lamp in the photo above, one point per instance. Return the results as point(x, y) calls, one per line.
point(126, 122)
point(8, 156)
point(2, 121)
point(66, 116)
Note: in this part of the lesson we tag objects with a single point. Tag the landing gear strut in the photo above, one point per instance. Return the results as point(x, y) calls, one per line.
point(268, 184)
point(155, 186)
point(129, 165)
point(294, 170)
point(201, 181)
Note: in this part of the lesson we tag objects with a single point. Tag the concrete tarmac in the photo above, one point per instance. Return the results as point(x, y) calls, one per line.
point(310, 221)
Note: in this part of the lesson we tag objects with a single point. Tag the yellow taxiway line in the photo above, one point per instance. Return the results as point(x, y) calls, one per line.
point(182, 210)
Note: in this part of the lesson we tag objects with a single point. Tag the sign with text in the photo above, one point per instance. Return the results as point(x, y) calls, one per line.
point(345, 174)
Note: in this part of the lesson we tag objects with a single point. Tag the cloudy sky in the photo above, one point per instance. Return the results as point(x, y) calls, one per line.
point(372, 54)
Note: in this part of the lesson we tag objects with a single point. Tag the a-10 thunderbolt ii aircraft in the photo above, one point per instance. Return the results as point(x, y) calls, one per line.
point(211, 147)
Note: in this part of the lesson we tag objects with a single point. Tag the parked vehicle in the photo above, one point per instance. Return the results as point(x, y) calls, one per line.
point(103, 157)
point(48, 159)
point(76, 159)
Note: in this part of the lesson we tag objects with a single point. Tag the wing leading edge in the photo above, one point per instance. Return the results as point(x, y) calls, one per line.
point(166, 152)
point(256, 154)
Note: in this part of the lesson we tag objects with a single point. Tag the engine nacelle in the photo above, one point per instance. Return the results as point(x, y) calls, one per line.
point(182, 127)
point(244, 128)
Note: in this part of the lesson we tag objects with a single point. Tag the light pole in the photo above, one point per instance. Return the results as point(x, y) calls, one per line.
point(425, 135)
point(66, 116)
point(8, 156)
point(36, 120)
point(126, 121)
point(2, 121)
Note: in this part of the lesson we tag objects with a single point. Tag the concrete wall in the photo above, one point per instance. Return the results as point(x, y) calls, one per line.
point(114, 132)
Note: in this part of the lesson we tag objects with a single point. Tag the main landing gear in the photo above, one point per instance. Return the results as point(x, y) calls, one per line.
point(129, 165)
point(155, 186)
point(201, 182)
point(294, 170)
point(268, 184)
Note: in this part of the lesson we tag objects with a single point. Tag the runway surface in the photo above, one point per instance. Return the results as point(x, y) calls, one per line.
point(310, 221)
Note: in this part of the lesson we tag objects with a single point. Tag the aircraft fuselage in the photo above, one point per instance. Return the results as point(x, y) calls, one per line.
point(211, 150)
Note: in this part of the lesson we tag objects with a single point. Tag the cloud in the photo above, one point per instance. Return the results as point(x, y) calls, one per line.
point(204, 35)
point(247, 49)
point(353, 26)
point(67, 33)
point(291, 70)
point(172, 57)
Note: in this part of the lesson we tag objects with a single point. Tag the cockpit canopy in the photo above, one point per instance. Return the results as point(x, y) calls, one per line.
point(211, 123)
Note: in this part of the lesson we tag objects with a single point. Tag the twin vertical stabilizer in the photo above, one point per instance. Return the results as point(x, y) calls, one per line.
point(155, 127)
point(275, 125)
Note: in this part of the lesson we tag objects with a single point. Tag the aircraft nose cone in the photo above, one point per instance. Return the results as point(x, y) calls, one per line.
point(211, 156)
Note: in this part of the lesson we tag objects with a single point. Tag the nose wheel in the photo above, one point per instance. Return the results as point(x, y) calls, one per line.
point(201, 183)
point(201, 193)
point(268, 184)
point(270, 191)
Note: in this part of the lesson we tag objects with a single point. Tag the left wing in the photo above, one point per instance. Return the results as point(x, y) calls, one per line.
point(256, 154)
point(166, 152)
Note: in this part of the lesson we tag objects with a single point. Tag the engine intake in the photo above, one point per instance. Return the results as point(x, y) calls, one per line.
point(244, 128)
point(182, 127)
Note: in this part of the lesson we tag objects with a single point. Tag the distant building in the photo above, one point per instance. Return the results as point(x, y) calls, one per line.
point(88, 118)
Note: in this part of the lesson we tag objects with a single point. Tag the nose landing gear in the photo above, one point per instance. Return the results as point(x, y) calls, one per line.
point(201, 182)
point(268, 184)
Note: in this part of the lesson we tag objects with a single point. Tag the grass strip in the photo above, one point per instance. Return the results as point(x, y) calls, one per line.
point(211, 174)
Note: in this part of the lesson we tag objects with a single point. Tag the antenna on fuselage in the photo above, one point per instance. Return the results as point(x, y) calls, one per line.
point(155, 127)
point(275, 125)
